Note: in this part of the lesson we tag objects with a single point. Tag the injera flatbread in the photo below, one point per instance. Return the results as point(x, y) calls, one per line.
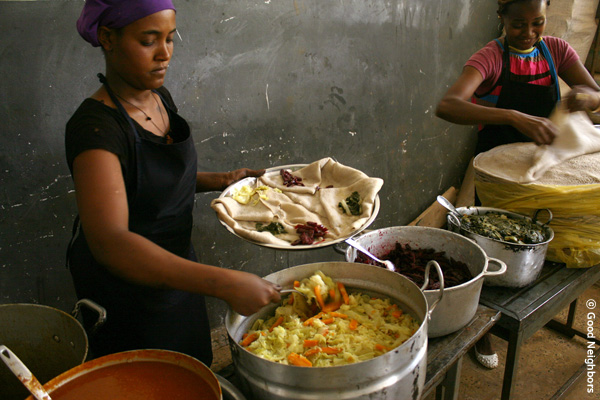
point(528, 163)
point(509, 162)
point(326, 183)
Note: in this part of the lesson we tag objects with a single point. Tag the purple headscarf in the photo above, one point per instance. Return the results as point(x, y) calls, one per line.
point(115, 14)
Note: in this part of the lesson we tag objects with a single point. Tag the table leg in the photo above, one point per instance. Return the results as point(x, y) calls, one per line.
point(448, 389)
point(515, 340)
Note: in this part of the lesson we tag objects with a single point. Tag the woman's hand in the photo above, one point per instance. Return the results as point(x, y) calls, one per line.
point(582, 98)
point(247, 293)
point(242, 173)
point(210, 181)
point(540, 130)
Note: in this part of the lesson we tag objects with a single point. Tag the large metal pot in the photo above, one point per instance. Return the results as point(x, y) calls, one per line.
point(75, 380)
point(459, 304)
point(49, 341)
point(397, 375)
point(524, 261)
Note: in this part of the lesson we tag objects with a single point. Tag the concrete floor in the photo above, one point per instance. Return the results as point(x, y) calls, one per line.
point(547, 360)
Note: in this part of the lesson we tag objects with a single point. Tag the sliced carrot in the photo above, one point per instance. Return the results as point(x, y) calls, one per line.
point(313, 351)
point(310, 342)
point(318, 296)
point(328, 321)
point(381, 347)
point(333, 306)
point(331, 350)
point(290, 300)
point(249, 339)
point(276, 323)
point(298, 360)
point(338, 315)
point(397, 313)
point(311, 319)
point(332, 293)
point(342, 289)
point(353, 324)
point(296, 283)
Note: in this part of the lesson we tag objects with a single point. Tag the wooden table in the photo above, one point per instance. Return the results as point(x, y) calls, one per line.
point(528, 309)
point(444, 354)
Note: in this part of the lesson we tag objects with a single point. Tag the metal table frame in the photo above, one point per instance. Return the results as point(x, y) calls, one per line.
point(526, 310)
point(445, 354)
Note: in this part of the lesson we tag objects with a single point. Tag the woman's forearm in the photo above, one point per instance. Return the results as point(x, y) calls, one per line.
point(462, 112)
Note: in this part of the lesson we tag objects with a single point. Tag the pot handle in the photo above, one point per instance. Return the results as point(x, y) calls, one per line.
point(228, 389)
point(339, 248)
point(426, 283)
point(452, 219)
point(535, 215)
point(94, 306)
point(500, 271)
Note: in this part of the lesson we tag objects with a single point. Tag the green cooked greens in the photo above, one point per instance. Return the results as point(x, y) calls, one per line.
point(502, 227)
point(274, 227)
point(351, 205)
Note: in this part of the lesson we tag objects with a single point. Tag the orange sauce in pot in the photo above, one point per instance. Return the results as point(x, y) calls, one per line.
point(139, 380)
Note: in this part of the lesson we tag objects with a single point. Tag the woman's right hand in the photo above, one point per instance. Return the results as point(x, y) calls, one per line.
point(247, 293)
point(540, 130)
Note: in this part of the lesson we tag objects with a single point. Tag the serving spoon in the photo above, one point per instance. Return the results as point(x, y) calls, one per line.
point(388, 264)
point(23, 374)
point(449, 206)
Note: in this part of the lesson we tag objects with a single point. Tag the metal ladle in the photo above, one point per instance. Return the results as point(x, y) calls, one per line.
point(23, 374)
point(449, 206)
point(388, 264)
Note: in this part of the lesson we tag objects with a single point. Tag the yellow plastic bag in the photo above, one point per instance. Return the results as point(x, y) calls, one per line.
point(575, 222)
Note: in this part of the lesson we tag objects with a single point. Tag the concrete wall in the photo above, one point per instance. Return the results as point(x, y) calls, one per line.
point(262, 83)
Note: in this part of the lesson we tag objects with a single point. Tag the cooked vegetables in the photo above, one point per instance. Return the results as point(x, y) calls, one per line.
point(349, 328)
point(503, 227)
point(274, 227)
point(351, 205)
point(244, 194)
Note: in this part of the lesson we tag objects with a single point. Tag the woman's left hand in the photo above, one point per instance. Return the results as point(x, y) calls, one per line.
point(210, 181)
point(582, 98)
point(242, 173)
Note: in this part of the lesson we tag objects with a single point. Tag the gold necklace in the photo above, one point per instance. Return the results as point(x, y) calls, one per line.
point(148, 118)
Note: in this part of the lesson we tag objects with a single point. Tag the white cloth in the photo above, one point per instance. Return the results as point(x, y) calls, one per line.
point(316, 202)
point(577, 136)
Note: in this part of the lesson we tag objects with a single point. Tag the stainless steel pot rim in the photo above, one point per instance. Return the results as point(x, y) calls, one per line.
point(423, 323)
point(377, 232)
point(485, 210)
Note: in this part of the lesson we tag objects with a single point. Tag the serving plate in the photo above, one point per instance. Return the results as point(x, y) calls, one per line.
point(251, 181)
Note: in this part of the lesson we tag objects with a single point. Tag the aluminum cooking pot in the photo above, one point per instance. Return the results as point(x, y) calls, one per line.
point(459, 304)
point(49, 341)
point(524, 261)
point(398, 374)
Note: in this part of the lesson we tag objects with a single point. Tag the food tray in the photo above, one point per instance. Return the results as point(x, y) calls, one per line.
point(251, 181)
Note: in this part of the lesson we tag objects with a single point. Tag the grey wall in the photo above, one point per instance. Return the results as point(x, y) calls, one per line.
point(262, 83)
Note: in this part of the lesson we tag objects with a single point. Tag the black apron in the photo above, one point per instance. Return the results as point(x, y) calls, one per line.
point(530, 99)
point(140, 317)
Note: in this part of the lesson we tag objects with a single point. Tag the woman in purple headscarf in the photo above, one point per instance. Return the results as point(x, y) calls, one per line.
point(134, 167)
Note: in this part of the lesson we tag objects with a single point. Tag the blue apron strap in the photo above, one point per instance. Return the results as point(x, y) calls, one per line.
point(548, 57)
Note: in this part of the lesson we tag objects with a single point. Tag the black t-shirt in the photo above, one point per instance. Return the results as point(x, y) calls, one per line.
point(95, 125)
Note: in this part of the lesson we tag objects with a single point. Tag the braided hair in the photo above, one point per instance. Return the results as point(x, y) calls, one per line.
point(503, 5)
